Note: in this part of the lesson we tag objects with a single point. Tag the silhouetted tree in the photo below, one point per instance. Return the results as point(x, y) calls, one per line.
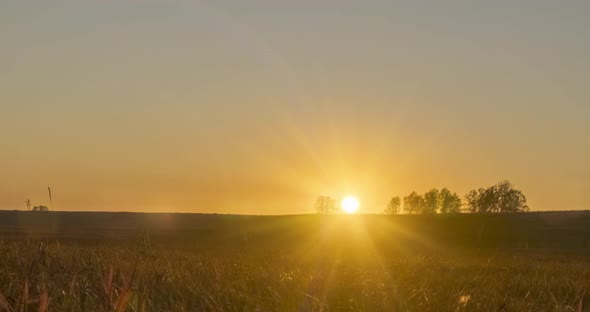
point(28, 203)
point(472, 201)
point(431, 202)
point(393, 206)
point(414, 203)
point(483, 200)
point(449, 202)
point(325, 205)
point(510, 199)
point(502, 197)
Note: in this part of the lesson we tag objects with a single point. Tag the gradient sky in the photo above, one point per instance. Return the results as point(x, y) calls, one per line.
point(260, 106)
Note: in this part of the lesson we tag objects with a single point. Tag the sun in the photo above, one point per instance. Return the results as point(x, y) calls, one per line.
point(350, 204)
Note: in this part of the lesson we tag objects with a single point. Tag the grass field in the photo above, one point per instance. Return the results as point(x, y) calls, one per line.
point(188, 262)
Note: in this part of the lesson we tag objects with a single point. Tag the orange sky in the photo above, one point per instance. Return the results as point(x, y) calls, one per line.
point(260, 108)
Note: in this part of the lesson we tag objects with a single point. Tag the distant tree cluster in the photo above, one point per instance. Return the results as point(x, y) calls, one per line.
point(40, 208)
point(433, 201)
point(502, 197)
point(325, 205)
point(36, 208)
point(394, 206)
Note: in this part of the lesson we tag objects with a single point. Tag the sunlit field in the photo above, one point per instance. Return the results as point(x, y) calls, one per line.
point(166, 262)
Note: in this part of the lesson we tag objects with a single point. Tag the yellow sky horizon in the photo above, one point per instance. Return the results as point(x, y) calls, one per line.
point(259, 109)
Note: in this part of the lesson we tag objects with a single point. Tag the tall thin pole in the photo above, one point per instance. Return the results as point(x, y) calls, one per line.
point(50, 199)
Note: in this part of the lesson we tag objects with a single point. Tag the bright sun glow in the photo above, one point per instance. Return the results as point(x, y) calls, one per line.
point(350, 204)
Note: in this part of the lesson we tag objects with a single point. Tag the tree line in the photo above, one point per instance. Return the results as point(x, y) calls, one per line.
point(433, 201)
point(501, 197)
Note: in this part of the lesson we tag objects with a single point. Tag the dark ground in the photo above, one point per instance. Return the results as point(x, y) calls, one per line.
point(545, 230)
point(86, 261)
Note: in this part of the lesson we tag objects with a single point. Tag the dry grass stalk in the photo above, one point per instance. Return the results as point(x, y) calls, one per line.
point(4, 305)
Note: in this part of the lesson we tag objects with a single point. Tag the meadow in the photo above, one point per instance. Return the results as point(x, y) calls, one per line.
point(73, 261)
